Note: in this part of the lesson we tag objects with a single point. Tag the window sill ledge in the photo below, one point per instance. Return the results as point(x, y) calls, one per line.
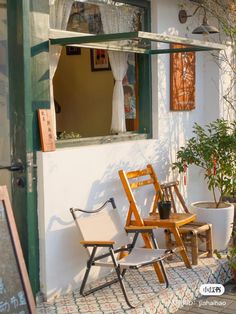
point(128, 136)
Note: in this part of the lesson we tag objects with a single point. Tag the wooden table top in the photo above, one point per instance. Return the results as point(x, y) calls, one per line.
point(175, 220)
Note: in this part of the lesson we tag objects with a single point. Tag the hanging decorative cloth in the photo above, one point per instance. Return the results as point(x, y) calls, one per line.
point(185, 173)
point(117, 18)
point(59, 16)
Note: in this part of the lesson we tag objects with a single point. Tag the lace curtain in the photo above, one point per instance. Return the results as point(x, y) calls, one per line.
point(59, 16)
point(117, 19)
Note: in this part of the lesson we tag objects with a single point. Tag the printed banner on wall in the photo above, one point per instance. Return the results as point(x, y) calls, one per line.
point(182, 80)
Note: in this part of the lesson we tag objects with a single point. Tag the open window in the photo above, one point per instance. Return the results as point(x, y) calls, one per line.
point(84, 80)
point(92, 99)
point(83, 88)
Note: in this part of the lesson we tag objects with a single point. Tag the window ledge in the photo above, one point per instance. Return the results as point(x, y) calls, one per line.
point(128, 136)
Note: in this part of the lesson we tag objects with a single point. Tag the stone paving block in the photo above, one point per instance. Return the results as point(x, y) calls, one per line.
point(232, 306)
point(228, 311)
point(229, 297)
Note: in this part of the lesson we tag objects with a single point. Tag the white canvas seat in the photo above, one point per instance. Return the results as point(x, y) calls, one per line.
point(137, 258)
point(109, 245)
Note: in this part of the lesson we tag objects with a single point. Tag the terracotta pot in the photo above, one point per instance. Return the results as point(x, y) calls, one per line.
point(164, 209)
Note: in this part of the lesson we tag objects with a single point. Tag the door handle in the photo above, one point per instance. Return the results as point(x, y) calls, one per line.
point(14, 167)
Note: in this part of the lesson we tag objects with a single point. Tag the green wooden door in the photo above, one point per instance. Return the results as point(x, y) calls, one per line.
point(25, 96)
point(5, 158)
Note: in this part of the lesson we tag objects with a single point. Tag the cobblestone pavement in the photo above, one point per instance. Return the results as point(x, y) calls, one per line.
point(211, 305)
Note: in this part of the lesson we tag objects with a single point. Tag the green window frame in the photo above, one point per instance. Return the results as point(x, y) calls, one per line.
point(144, 93)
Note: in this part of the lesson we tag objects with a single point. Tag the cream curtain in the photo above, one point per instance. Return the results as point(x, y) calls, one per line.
point(117, 19)
point(59, 16)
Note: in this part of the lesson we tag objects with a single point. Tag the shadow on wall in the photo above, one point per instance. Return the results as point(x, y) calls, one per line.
point(64, 254)
point(66, 241)
point(62, 239)
point(175, 127)
point(109, 185)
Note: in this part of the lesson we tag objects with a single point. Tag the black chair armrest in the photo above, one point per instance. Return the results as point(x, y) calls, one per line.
point(97, 243)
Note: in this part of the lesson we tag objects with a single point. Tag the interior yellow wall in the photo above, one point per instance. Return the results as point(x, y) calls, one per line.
point(85, 97)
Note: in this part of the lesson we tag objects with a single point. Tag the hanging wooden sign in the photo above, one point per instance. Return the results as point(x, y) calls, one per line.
point(15, 290)
point(182, 80)
point(47, 138)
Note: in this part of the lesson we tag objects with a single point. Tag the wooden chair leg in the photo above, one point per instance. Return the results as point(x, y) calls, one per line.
point(209, 241)
point(194, 247)
point(168, 241)
point(180, 244)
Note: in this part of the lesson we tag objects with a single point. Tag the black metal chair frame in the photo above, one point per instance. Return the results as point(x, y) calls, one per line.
point(111, 252)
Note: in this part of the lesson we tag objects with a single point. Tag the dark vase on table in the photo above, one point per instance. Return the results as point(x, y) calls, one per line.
point(164, 209)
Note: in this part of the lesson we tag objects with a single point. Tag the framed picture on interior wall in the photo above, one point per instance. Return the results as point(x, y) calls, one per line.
point(182, 80)
point(99, 60)
point(72, 50)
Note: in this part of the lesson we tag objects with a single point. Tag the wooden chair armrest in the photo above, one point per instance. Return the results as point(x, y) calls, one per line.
point(97, 243)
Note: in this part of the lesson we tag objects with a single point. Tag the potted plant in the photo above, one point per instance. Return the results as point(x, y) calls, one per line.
point(231, 256)
point(164, 206)
point(213, 149)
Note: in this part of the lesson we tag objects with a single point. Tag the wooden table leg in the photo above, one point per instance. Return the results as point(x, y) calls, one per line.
point(180, 243)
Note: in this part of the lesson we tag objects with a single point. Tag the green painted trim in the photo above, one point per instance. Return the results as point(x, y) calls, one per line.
point(126, 36)
point(23, 131)
point(139, 3)
point(145, 97)
point(31, 146)
point(17, 114)
point(129, 49)
point(145, 74)
point(93, 39)
point(145, 78)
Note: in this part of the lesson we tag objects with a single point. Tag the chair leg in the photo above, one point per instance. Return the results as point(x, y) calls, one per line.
point(164, 273)
point(194, 247)
point(168, 241)
point(209, 241)
point(120, 278)
point(180, 244)
point(89, 265)
point(161, 263)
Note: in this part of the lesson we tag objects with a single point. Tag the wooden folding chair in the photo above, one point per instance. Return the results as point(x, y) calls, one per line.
point(137, 179)
point(105, 238)
point(191, 232)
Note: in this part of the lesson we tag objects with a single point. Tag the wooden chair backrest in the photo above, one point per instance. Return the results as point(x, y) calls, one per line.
point(143, 177)
point(172, 193)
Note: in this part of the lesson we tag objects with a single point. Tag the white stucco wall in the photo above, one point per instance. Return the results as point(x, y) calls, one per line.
point(86, 176)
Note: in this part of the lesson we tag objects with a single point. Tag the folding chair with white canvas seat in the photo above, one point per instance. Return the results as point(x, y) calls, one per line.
point(107, 241)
